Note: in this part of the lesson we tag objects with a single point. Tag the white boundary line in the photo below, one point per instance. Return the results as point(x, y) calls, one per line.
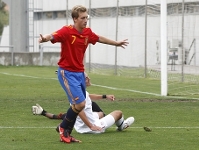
point(11, 127)
point(21, 75)
point(120, 89)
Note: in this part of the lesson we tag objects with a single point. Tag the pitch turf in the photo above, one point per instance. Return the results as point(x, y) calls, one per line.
point(174, 122)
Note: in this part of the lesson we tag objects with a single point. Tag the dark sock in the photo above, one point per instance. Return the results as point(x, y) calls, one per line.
point(71, 125)
point(63, 116)
point(68, 121)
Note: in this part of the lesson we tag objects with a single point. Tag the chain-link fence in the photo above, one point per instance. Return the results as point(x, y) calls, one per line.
point(139, 22)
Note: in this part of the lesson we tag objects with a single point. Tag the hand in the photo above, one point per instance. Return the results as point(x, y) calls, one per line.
point(110, 97)
point(42, 39)
point(95, 128)
point(122, 43)
point(37, 110)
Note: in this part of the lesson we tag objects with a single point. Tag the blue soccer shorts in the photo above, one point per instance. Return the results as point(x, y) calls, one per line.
point(74, 85)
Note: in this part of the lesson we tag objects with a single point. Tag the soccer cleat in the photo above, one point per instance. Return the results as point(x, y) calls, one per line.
point(126, 123)
point(74, 140)
point(65, 136)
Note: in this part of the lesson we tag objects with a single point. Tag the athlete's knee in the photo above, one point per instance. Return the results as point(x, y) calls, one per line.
point(118, 113)
point(101, 114)
point(80, 106)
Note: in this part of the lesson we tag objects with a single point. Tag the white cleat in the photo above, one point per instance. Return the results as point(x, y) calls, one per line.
point(129, 121)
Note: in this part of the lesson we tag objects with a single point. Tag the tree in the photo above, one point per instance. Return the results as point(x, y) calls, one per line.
point(4, 17)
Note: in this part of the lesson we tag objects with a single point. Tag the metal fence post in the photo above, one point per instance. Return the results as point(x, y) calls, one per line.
point(116, 37)
point(12, 55)
point(41, 54)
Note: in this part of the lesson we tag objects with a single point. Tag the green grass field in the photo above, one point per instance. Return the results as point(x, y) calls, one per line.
point(174, 122)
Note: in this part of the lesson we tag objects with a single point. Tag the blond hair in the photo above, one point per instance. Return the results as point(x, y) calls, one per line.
point(76, 10)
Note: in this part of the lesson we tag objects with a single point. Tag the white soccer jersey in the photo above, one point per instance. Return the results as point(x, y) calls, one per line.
point(93, 117)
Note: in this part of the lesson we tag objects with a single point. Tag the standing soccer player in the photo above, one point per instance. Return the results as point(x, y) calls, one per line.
point(74, 40)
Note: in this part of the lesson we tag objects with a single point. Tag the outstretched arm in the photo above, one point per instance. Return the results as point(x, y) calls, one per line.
point(38, 110)
point(112, 42)
point(45, 38)
point(98, 97)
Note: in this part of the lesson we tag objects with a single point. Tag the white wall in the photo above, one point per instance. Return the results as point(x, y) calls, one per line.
point(132, 28)
point(5, 39)
point(49, 5)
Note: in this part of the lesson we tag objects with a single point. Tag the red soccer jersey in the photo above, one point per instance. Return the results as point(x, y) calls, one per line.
point(73, 46)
